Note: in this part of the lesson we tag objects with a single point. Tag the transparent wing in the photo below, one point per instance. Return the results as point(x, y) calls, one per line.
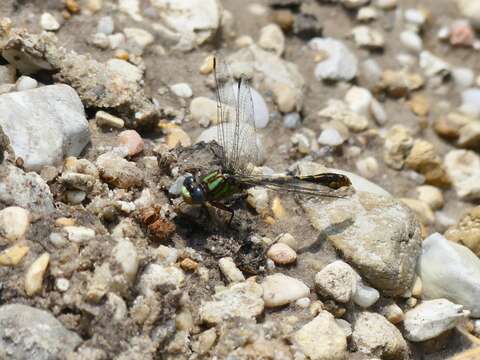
point(236, 128)
point(323, 185)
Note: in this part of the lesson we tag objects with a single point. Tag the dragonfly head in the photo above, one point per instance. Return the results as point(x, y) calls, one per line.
point(192, 193)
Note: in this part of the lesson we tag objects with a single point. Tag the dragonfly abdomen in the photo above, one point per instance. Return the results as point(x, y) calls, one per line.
point(331, 180)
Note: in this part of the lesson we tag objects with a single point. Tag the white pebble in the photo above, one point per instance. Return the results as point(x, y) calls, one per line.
point(105, 25)
point(330, 137)
point(62, 284)
point(79, 234)
point(365, 296)
point(230, 270)
point(280, 289)
point(48, 22)
point(463, 77)
point(105, 119)
point(471, 97)
point(14, 222)
point(26, 83)
point(415, 16)
point(303, 302)
point(431, 195)
point(291, 120)
point(359, 100)
point(411, 40)
point(368, 167)
point(182, 90)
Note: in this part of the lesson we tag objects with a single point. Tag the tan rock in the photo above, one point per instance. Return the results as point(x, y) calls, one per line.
point(13, 255)
point(35, 273)
point(281, 254)
point(467, 231)
point(423, 159)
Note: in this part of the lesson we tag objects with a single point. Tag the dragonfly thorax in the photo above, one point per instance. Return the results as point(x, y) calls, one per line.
point(192, 193)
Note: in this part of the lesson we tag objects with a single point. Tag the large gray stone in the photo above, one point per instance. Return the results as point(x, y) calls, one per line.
point(376, 234)
point(44, 125)
point(29, 333)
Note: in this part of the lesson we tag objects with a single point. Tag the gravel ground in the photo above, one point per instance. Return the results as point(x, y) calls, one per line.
point(107, 105)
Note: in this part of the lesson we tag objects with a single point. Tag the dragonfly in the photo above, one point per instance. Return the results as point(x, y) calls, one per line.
point(239, 151)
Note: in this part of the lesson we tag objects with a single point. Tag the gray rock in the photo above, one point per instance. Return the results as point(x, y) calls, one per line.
point(375, 335)
point(29, 333)
point(341, 63)
point(463, 168)
point(187, 23)
point(378, 235)
point(432, 318)
point(280, 77)
point(337, 281)
point(27, 190)
point(451, 271)
point(239, 300)
point(44, 125)
point(7, 74)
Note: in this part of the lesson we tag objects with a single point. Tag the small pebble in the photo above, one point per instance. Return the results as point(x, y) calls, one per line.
point(230, 270)
point(188, 264)
point(287, 239)
point(204, 111)
point(14, 222)
point(75, 197)
point(12, 255)
point(26, 83)
point(243, 41)
point(368, 167)
point(303, 302)
point(386, 4)
point(430, 195)
point(182, 90)
point(367, 37)
point(207, 65)
point(415, 16)
point(367, 13)
point(463, 77)
point(48, 22)
point(105, 25)
point(105, 119)
point(272, 39)
point(57, 239)
point(291, 120)
point(35, 273)
point(79, 234)
point(411, 40)
point(62, 284)
point(393, 313)
point(141, 38)
point(462, 33)
point(116, 40)
point(330, 137)
point(282, 254)
point(280, 289)
point(132, 140)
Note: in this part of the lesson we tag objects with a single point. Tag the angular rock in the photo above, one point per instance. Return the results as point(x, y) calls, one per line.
point(463, 168)
point(376, 234)
point(432, 318)
point(29, 333)
point(239, 300)
point(119, 172)
point(162, 277)
point(340, 64)
point(188, 23)
point(338, 281)
point(451, 271)
point(322, 339)
point(26, 190)
point(44, 125)
point(375, 335)
point(275, 74)
point(467, 231)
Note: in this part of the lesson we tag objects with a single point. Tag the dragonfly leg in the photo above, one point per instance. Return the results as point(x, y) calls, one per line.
point(223, 207)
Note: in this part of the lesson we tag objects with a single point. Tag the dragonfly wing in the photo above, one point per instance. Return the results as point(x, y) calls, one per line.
point(317, 186)
point(236, 128)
